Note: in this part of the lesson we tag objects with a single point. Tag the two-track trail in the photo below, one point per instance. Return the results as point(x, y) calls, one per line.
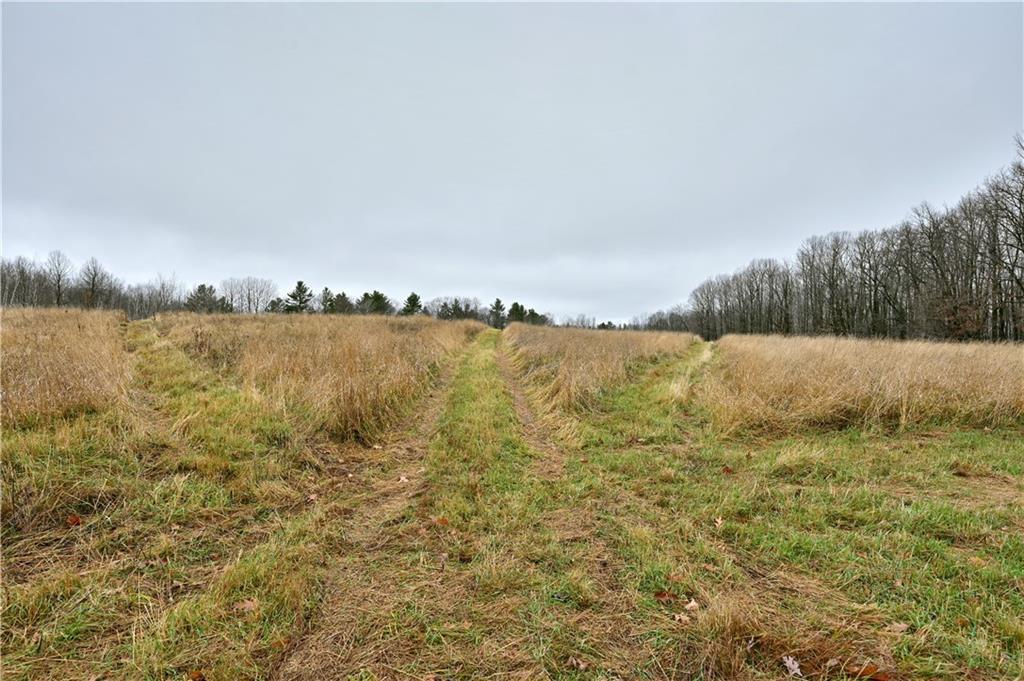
point(469, 556)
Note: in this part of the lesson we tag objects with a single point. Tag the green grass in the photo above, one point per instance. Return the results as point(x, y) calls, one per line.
point(186, 505)
point(636, 544)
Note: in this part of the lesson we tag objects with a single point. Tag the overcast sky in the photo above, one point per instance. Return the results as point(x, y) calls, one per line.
point(596, 159)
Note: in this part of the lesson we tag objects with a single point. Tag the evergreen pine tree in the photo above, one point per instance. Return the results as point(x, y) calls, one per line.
point(299, 299)
point(413, 305)
point(516, 313)
point(326, 301)
point(342, 304)
point(496, 315)
point(203, 298)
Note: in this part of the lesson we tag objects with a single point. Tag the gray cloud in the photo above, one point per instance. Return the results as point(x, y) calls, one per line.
point(598, 159)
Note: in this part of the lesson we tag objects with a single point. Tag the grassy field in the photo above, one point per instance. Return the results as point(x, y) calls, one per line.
point(300, 498)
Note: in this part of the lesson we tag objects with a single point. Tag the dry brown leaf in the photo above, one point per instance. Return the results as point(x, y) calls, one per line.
point(579, 664)
point(665, 597)
point(867, 671)
point(196, 675)
point(73, 520)
point(897, 627)
point(682, 618)
point(248, 605)
point(728, 470)
point(692, 606)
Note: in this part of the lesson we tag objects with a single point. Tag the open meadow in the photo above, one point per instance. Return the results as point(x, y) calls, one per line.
point(229, 497)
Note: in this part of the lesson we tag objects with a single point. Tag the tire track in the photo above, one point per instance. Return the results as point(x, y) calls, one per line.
point(392, 485)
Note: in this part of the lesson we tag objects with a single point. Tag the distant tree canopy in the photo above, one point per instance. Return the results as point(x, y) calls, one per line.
point(516, 313)
point(496, 314)
point(413, 305)
point(342, 304)
point(203, 298)
point(955, 273)
point(299, 299)
point(374, 303)
point(326, 301)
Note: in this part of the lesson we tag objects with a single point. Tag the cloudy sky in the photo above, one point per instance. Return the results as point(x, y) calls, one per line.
point(596, 159)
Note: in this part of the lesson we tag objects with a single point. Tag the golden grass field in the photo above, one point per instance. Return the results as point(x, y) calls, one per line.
point(783, 384)
point(319, 497)
point(60, 361)
point(571, 366)
point(350, 376)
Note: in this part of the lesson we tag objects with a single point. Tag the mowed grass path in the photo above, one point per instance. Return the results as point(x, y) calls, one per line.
point(490, 535)
point(654, 550)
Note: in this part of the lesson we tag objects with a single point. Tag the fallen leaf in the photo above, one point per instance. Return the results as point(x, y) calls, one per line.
point(719, 521)
point(402, 478)
point(312, 497)
point(665, 597)
point(196, 675)
point(579, 664)
point(441, 520)
point(867, 671)
point(897, 627)
point(728, 470)
point(792, 666)
point(682, 618)
point(834, 662)
point(692, 606)
point(248, 605)
point(74, 520)
point(963, 622)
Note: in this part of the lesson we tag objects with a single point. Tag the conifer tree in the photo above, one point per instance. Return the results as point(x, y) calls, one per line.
point(496, 315)
point(413, 305)
point(299, 299)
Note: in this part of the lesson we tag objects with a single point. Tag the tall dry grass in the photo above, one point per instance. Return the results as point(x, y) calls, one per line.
point(570, 367)
point(348, 375)
point(783, 384)
point(57, 362)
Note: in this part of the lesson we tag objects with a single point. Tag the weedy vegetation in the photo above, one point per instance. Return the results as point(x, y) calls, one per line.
point(570, 367)
point(227, 497)
point(60, 362)
point(349, 376)
point(774, 383)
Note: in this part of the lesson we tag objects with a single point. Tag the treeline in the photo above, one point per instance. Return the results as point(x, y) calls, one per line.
point(954, 273)
point(56, 282)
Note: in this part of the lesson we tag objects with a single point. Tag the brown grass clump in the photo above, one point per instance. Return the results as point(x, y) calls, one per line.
point(349, 375)
point(60, 362)
point(783, 384)
point(572, 366)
